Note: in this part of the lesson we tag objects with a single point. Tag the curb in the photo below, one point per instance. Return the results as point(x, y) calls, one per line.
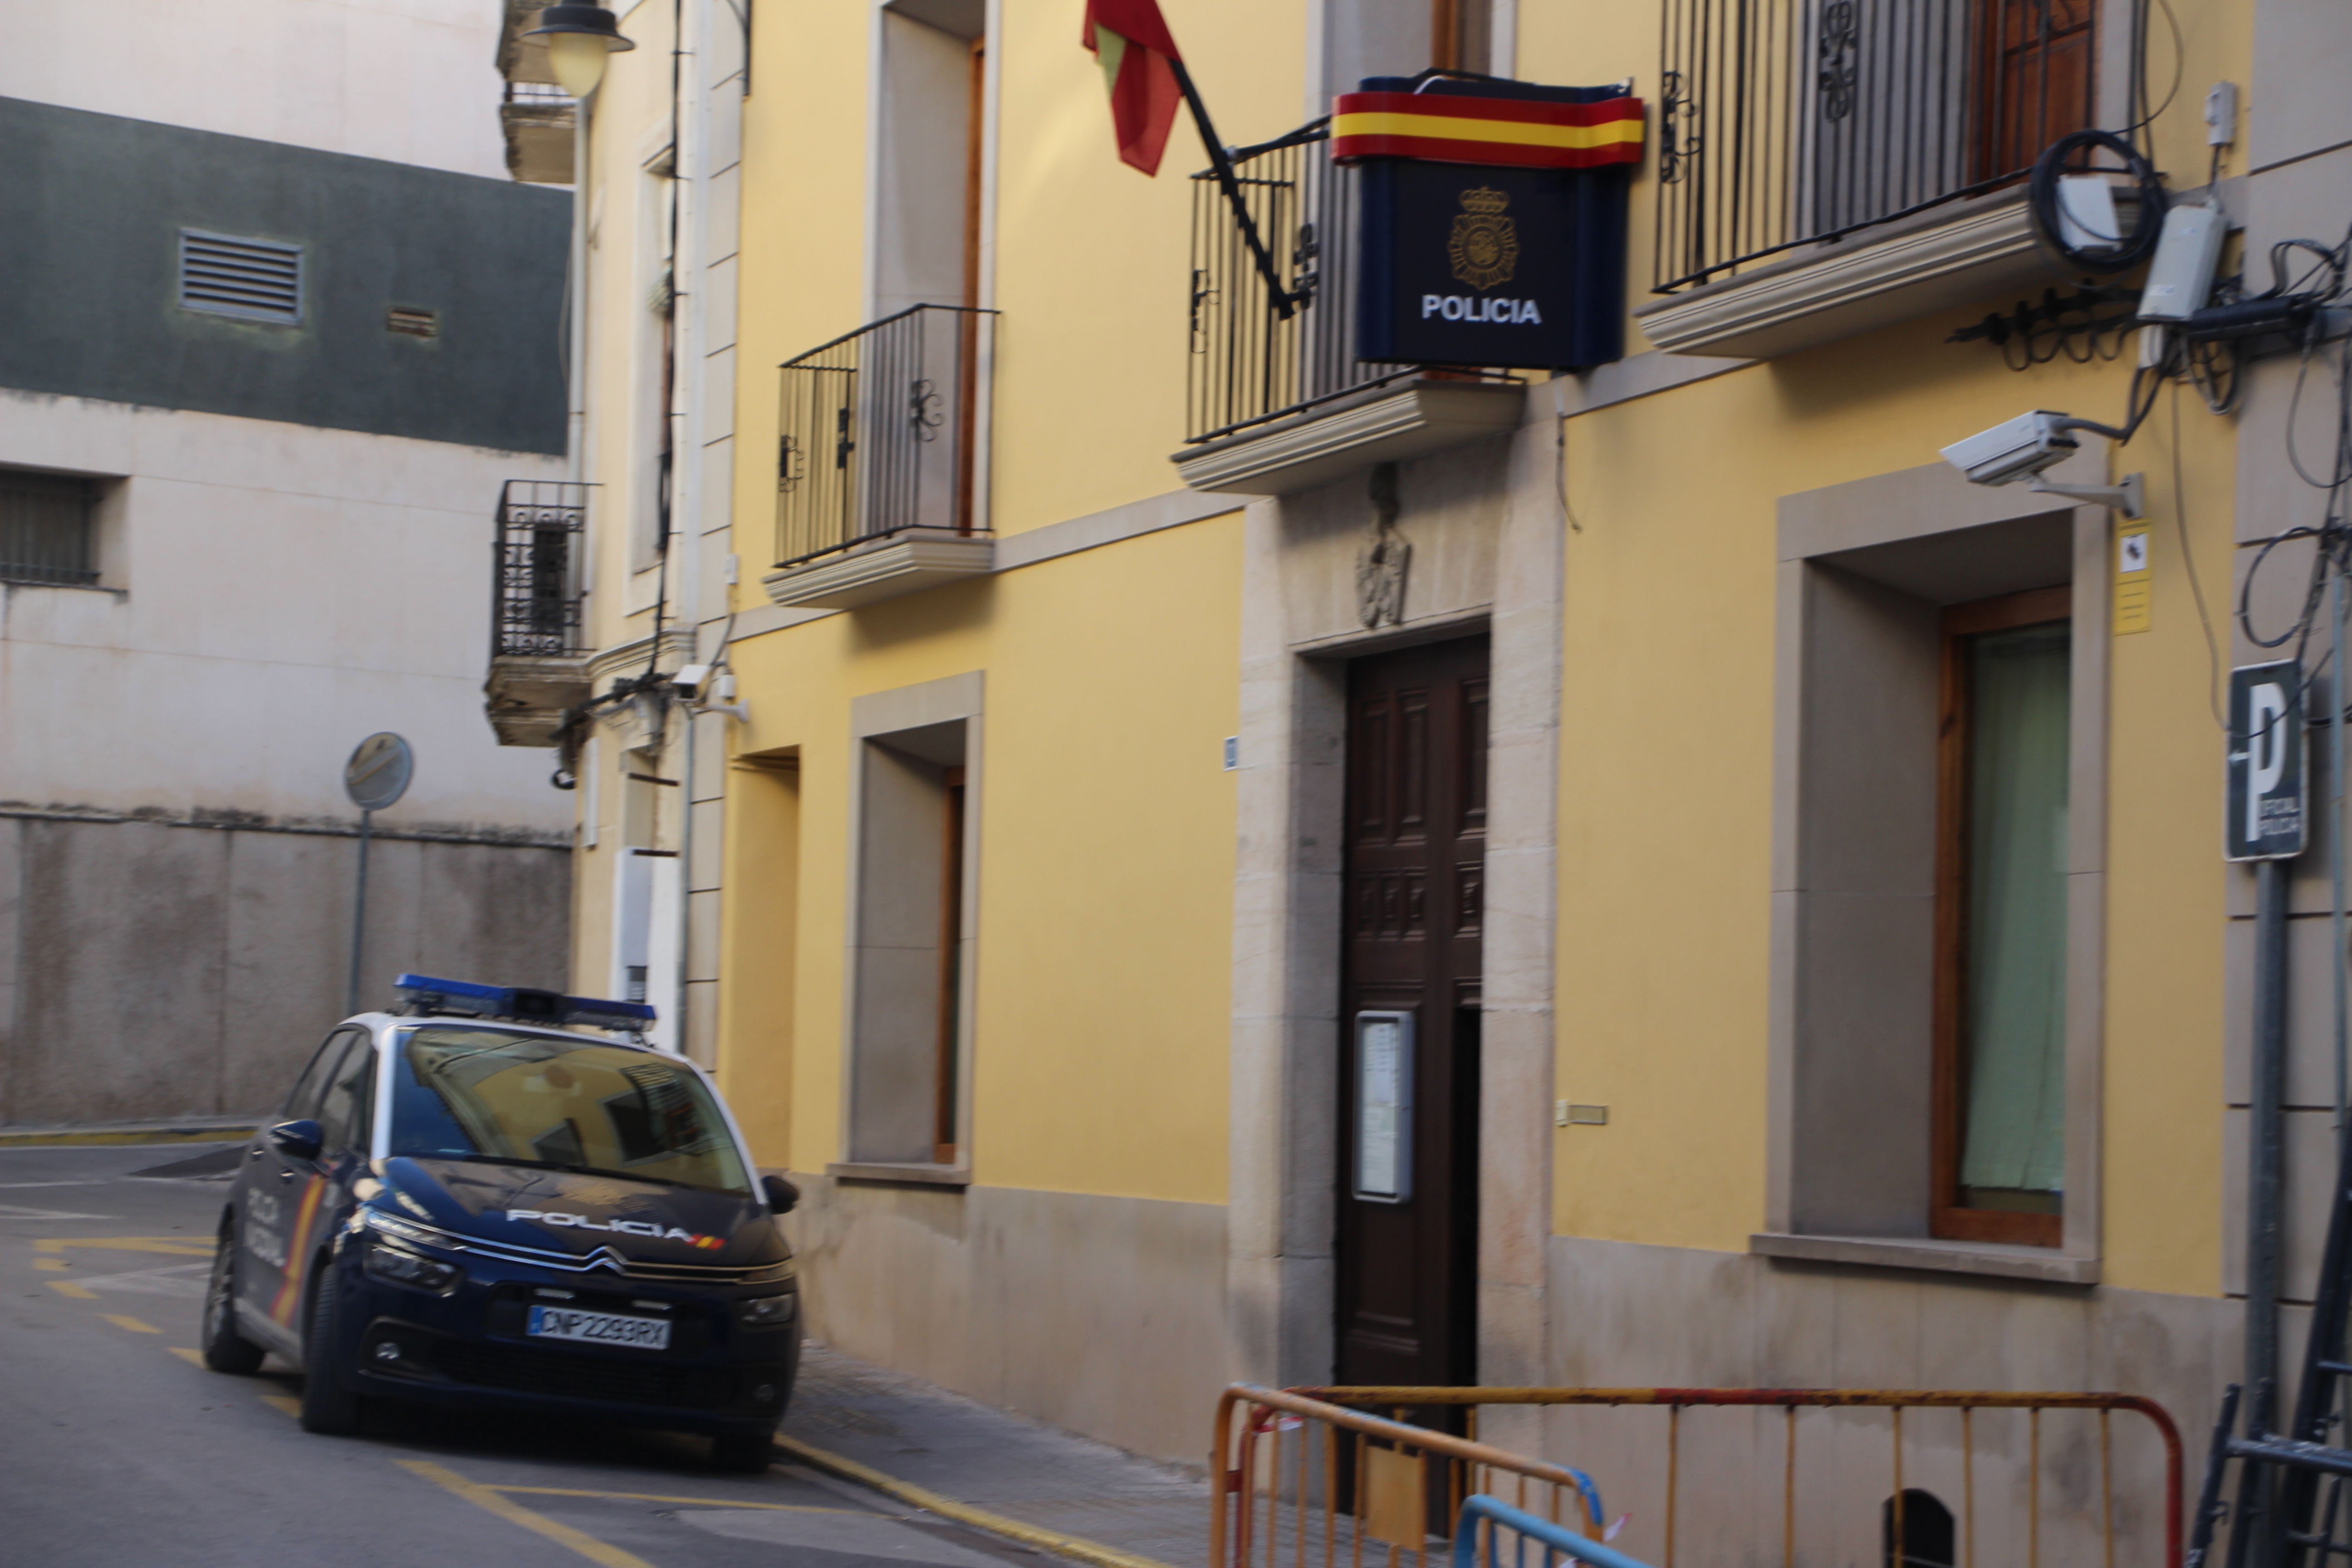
point(174, 1134)
point(1071, 1546)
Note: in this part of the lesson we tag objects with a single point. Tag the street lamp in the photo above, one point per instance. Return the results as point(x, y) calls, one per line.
point(578, 39)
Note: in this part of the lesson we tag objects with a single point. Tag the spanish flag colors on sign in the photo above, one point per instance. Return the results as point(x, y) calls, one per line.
point(1451, 127)
point(1140, 62)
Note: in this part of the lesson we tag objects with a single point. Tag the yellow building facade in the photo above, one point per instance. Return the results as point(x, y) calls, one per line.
point(1016, 853)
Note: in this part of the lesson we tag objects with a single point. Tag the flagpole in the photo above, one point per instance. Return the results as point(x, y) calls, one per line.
point(1283, 300)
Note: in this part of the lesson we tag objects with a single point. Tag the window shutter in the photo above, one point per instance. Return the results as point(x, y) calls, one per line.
point(256, 279)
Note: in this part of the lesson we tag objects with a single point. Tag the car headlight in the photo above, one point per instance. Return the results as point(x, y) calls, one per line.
point(767, 1311)
point(390, 1263)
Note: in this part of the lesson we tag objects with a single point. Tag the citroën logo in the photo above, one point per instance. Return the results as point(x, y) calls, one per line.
point(1486, 244)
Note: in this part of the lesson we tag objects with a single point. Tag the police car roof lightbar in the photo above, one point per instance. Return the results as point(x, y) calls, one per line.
point(425, 993)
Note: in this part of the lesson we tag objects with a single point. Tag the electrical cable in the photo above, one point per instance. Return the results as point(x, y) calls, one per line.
point(2118, 253)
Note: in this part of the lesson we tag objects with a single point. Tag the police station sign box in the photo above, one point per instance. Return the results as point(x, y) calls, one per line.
point(1491, 220)
point(2266, 817)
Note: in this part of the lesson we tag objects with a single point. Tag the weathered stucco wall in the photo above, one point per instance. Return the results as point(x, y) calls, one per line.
point(153, 969)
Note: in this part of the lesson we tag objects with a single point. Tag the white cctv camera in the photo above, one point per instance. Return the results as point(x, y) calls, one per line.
point(2025, 446)
point(2016, 449)
point(692, 681)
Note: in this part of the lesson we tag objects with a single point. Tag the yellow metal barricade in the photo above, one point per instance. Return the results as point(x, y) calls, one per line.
point(1305, 1483)
point(2044, 1483)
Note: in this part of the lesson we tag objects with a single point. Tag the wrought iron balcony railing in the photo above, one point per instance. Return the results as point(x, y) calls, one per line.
point(879, 429)
point(1782, 122)
point(535, 603)
point(1254, 357)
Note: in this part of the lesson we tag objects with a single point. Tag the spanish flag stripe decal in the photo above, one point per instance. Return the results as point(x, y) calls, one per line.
point(1462, 130)
point(1446, 128)
point(297, 1253)
point(1501, 110)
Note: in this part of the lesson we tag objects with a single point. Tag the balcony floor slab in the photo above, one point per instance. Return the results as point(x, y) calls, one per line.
point(1387, 425)
point(899, 563)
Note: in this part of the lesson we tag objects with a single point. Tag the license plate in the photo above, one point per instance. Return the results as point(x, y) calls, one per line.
point(599, 1328)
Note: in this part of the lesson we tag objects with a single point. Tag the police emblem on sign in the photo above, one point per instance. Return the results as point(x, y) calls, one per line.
point(1484, 246)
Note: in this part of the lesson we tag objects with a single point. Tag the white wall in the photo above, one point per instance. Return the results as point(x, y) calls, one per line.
point(284, 591)
point(414, 81)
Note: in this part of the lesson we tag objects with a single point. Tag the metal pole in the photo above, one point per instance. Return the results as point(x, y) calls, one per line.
point(2251, 1542)
point(359, 913)
point(2336, 834)
point(2265, 1139)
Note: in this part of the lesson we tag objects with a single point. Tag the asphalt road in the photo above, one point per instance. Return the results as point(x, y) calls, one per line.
point(117, 1447)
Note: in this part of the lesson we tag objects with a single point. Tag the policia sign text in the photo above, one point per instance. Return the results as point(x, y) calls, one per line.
point(1492, 220)
point(2266, 818)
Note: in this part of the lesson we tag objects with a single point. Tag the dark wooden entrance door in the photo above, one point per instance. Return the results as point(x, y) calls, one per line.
point(1415, 846)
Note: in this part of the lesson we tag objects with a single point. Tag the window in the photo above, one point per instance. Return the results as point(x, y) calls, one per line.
point(1787, 121)
point(255, 279)
point(310, 1088)
point(1939, 866)
point(47, 529)
point(346, 1120)
point(2000, 920)
point(911, 929)
point(1461, 34)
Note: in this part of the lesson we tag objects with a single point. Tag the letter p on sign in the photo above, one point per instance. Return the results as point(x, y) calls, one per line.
point(2266, 818)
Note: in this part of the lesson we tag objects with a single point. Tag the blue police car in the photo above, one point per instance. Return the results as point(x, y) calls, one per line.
point(499, 1197)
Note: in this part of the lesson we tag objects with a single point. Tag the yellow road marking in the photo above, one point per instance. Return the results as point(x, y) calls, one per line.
point(487, 1500)
point(177, 1246)
point(285, 1402)
point(1052, 1540)
point(68, 1288)
point(133, 1324)
point(665, 1497)
point(51, 1265)
point(193, 1358)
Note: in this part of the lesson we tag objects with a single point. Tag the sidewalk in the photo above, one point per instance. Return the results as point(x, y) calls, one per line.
point(177, 1129)
point(957, 1448)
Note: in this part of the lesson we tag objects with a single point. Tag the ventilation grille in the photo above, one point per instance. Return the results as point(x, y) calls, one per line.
point(412, 323)
point(257, 279)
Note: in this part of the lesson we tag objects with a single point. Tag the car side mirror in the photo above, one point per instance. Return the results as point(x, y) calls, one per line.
point(299, 1140)
point(782, 1193)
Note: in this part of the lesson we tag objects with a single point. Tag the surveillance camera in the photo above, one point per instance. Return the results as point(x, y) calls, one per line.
point(692, 682)
point(2018, 450)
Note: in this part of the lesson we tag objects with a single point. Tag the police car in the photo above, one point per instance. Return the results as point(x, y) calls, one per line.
point(499, 1197)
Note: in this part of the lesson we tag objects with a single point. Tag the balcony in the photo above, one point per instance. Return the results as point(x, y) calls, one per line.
point(1829, 166)
point(1275, 399)
point(877, 493)
point(539, 119)
point(539, 659)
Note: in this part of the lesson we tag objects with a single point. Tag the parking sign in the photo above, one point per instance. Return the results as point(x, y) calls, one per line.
point(2266, 818)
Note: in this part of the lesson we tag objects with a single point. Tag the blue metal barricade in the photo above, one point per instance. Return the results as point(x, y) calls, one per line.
point(1477, 1539)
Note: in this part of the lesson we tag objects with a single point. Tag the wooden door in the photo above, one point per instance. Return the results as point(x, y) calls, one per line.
point(1415, 866)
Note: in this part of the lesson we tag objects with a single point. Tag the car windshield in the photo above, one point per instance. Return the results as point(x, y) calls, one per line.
point(571, 1105)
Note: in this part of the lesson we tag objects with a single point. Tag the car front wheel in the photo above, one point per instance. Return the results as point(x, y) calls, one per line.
point(329, 1405)
point(226, 1350)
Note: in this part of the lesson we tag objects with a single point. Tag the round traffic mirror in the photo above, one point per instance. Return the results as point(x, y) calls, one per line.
point(378, 774)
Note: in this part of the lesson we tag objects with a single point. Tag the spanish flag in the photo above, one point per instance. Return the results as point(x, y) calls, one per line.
point(1139, 60)
point(1459, 128)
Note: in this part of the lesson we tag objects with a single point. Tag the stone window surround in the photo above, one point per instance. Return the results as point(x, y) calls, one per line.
point(1912, 507)
point(873, 716)
point(1282, 1164)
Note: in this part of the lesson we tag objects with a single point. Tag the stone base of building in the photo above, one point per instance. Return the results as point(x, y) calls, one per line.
point(153, 968)
point(1101, 1315)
